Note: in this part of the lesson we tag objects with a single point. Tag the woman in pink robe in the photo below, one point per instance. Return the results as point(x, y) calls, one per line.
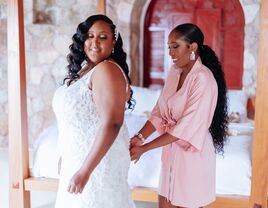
point(191, 118)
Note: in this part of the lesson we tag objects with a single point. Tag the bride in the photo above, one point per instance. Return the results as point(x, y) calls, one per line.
point(89, 107)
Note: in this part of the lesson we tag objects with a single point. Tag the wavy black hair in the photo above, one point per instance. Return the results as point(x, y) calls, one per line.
point(192, 34)
point(77, 55)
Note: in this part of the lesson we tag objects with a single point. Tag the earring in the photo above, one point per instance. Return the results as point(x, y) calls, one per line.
point(113, 50)
point(192, 56)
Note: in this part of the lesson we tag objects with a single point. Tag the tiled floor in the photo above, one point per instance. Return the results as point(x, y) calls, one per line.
point(38, 199)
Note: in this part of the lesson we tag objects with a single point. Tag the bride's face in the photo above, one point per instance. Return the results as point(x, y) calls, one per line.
point(99, 43)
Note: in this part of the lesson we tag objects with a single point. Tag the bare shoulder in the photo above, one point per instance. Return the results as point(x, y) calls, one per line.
point(107, 69)
point(112, 76)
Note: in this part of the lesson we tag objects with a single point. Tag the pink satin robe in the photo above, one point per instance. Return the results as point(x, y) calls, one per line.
point(187, 177)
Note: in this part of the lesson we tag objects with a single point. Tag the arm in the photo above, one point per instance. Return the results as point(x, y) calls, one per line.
point(145, 131)
point(153, 124)
point(160, 141)
point(110, 101)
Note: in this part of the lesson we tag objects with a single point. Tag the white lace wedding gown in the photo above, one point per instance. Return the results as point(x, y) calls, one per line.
point(78, 123)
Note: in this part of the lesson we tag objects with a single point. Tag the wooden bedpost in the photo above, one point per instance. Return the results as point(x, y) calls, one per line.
point(101, 7)
point(17, 113)
point(259, 183)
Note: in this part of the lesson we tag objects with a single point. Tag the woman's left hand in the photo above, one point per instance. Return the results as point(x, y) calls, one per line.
point(78, 181)
point(136, 152)
point(135, 141)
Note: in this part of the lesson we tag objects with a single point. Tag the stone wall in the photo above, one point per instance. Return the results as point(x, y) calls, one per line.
point(49, 26)
point(252, 12)
point(46, 41)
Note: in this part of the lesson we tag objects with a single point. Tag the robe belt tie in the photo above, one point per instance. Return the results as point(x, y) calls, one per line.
point(168, 124)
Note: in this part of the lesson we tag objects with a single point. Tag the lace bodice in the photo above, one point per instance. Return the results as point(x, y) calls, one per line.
point(78, 123)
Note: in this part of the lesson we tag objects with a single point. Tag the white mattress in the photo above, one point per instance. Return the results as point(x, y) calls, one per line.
point(233, 170)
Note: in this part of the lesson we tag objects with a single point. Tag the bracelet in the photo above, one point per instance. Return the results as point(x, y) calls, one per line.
point(140, 136)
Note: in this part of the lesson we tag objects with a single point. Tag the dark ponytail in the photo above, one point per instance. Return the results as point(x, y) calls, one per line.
point(220, 119)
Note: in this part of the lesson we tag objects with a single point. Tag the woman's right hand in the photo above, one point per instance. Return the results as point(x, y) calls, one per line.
point(136, 152)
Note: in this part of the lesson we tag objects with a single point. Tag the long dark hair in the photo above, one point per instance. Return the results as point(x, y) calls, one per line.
point(77, 55)
point(192, 34)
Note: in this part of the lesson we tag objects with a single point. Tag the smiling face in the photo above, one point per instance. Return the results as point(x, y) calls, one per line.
point(179, 50)
point(99, 43)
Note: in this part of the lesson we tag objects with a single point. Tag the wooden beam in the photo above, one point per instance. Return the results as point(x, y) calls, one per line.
point(230, 201)
point(17, 113)
point(41, 184)
point(144, 194)
point(259, 183)
point(102, 7)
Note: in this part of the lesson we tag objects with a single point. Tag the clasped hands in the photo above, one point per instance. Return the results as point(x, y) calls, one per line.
point(136, 148)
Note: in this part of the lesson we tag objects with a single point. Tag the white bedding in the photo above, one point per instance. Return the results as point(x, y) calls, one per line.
point(233, 169)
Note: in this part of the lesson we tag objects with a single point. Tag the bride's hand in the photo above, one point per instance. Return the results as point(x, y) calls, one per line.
point(78, 181)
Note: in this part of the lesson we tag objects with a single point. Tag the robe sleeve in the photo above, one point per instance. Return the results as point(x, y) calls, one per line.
point(156, 119)
point(193, 125)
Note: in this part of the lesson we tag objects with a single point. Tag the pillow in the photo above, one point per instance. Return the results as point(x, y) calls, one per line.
point(237, 103)
point(234, 117)
point(244, 128)
point(46, 153)
point(145, 99)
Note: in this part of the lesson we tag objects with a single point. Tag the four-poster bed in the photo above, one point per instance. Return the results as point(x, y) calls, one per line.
point(20, 181)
